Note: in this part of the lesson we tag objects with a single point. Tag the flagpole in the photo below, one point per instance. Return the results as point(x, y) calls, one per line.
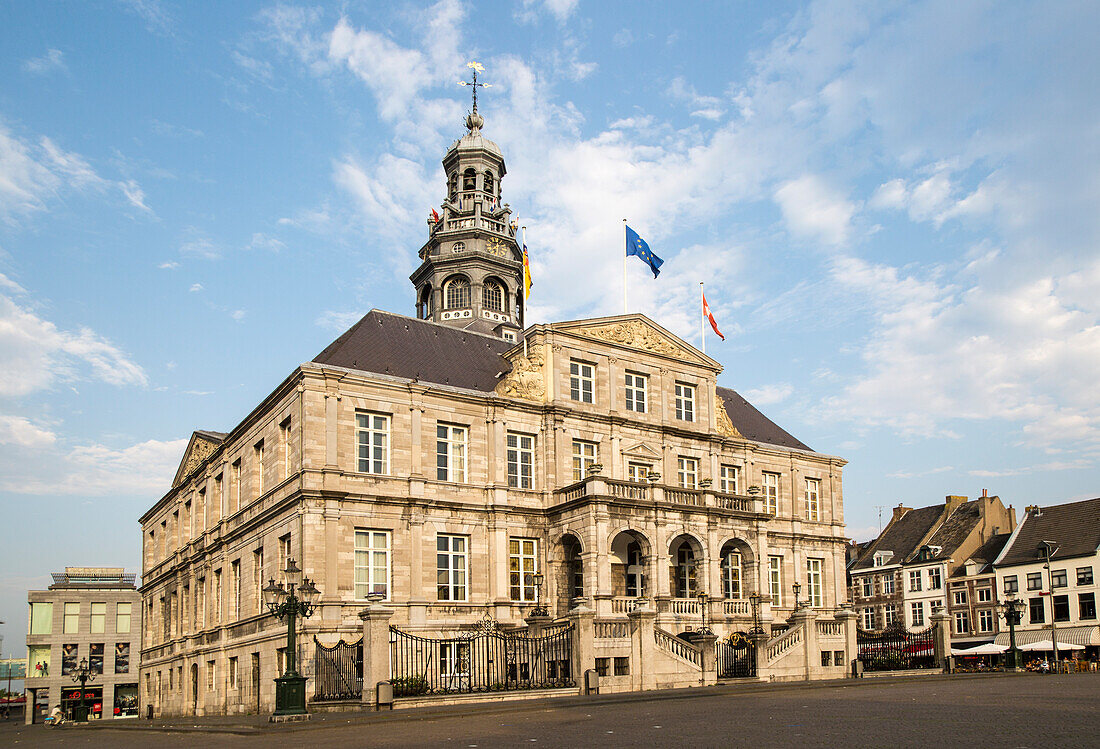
point(702, 314)
point(526, 270)
point(624, 266)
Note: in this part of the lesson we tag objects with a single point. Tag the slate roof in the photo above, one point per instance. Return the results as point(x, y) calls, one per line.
point(211, 435)
point(955, 529)
point(755, 425)
point(1074, 527)
point(901, 536)
point(988, 551)
point(385, 343)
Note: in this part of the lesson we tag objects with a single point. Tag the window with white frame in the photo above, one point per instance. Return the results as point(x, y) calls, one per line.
point(771, 492)
point(685, 402)
point(916, 614)
point(638, 472)
point(451, 567)
point(813, 499)
point(1012, 584)
point(935, 579)
point(687, 471)
point(890, 614)
point(813, 582)
point(372, 435)
point(99, 617)
point(868, 618)
point(454, 664)
point(915, 580)
point(775, 580)
point(985, 595)
point(372, 562)
point(582, 381)
point(636, 386)
point(959, 597)
point(729, 479)
point(123, 613)
point(888, 584)
point(985, 620)
point(868, 586)
point(962, 622)
point(731, 574)
point(450, 453)
point(521, 458)
point(584, 457)
point(522, 566)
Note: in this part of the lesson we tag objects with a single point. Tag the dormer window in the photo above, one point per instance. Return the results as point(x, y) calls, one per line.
point(469, 179)
point(882, 557)
point(457, 293)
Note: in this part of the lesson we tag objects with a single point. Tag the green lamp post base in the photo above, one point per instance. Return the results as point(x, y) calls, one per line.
point(290, 695)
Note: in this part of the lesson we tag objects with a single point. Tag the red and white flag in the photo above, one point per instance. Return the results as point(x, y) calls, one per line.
point(710, 317)
point(435, 216)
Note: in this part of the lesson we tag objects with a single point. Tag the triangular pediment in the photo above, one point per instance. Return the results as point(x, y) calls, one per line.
point(637, 333)
point(200, 447)
point(642, 450)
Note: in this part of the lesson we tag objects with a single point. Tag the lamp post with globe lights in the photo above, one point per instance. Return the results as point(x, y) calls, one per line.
point(1012, 610)
point(297, 599)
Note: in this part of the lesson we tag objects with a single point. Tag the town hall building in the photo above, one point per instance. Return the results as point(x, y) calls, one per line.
point(463, 465)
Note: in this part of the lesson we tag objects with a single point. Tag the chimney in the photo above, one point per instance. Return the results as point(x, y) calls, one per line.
point(985, 493)
point(953, 501)
point(900, 510)
point(1034, 511)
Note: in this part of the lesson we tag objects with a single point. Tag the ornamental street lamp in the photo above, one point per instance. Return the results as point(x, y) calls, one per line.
point(1048, 549)
point(539, 609)
point(83, 674)
point(298, 598)
point(756, 599)
point(797, 588)
point(1013, 610)
point(703, 630)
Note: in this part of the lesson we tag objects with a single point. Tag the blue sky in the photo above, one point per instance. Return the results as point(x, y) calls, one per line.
point(894, 206)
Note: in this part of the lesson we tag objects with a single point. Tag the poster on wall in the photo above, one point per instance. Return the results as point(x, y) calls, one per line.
point(122, 657)
point(68, 659)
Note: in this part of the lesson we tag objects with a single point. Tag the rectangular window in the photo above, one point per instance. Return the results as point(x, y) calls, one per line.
point(868, 586)
point(890, 614)
point(187, 531)
point(730, 479)
point(200, 603)
point(99, 617)
point(450, 453)
point(284, 557)
point(258, 578)
point(962, 622)
point(200, 513)
point(935, 580)
point(1086, 604)
point(638, 472)
point(258, 451)
point(915, 580)
point(372, 434)
point(775, 580)
point(210, 681)
point(687, 471)
point(985, 620)
point(771, 493)
point(235, 588)
point(636, 385)
point(218, 596)
point(1035, 581)
point(1037, 610)
point(451, 567)
point(868, 618)
point(985, 595)
point(234, 683)
point(622, 665)
point(1012, 585)
point(584, 457)
point(235, 488)
point(582, 381)
point(1061, 608)
point(38, 661)
point(521, 459)
point(122, 657)
point(454, 664)
point(1058, 579)
point(813, 499)
point(685, 402)
point(41, 618)
point(372, 563)
point(72, 618)
point(95, 658)
point(888, 584)
point(522, 566)
point(731, 575)
point(959, 597)
point(1084, 575)
point(284, 447)
point(813, 582)
point(916, 613)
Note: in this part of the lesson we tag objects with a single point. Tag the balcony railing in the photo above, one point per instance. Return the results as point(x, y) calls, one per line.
point(598, 486)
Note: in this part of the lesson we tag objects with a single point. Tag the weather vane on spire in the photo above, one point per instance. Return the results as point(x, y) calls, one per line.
point(474, 121)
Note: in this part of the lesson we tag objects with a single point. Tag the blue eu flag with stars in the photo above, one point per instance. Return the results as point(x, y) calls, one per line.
point(637, 246)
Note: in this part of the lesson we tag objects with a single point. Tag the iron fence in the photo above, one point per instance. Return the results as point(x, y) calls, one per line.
point(338, 671)
point(896, 648)
point(485, 660)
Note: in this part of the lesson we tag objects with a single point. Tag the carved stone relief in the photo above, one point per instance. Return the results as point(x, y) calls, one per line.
point(526, 378)
point(725, 426)
point(636, 335)
point(199, 452)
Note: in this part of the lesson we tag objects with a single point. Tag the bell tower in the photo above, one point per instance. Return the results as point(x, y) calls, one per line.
point(471, 270)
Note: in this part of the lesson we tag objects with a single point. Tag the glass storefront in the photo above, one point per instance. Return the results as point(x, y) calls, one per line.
point(126, 700)
point(92, 700)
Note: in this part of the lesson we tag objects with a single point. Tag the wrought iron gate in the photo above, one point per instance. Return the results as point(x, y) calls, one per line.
point(484, 660)
point(338, 671)
point(896, 648)
point(736, 657)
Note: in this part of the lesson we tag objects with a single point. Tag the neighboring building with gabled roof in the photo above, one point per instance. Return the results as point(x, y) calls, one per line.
point(1060, 598)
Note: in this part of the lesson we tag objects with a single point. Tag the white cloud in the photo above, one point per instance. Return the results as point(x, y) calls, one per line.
point(35, 354)
point(96, 470)
point(195, 287)
point(814, 210)
point(338, 321)
point(53, 60)
point(169, 265)
point(157, 18)
point(18, 430)
point(201, 247)
point(769, 394)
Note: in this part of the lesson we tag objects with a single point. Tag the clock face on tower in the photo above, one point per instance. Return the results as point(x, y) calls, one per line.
point(496, 247)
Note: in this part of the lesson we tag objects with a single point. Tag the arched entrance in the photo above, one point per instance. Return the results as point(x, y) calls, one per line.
point(628, 565)
point(686, 567)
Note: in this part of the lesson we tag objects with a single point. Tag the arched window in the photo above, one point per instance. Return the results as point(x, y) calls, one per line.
point(683, 579)
point(731, 573)
point(469, 179)
point(452, 184)
point(487, 182)
point(574, 567)
point(457, 292)
point(426, 303)
point(493, 296)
